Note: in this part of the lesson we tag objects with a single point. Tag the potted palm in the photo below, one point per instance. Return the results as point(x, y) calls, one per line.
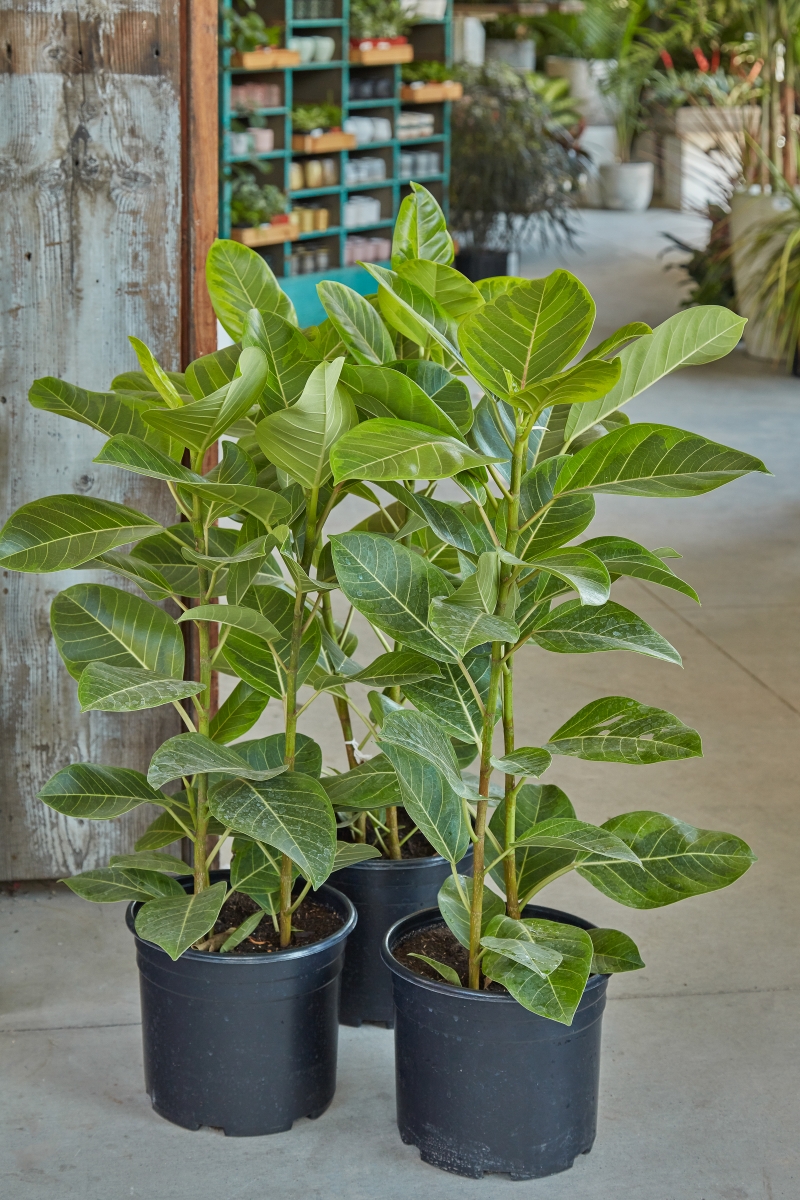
point(498, 1001)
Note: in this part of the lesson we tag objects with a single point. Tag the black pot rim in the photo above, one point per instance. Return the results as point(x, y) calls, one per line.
point(229, 960)
point(431, 916)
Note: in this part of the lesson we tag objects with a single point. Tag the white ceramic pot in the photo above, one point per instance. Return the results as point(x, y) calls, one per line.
point(627, 186)
point(747, 213)
point(517, 52)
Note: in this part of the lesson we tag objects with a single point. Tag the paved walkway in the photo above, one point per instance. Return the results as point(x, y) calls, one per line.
point(700, 1067)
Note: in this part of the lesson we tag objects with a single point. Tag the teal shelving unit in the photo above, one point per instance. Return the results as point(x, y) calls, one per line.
point(314, 83)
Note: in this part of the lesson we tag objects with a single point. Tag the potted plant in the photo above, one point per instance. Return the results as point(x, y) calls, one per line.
point(626, 184)
point(498, 1001)
point(514, 169)
point(510, 40)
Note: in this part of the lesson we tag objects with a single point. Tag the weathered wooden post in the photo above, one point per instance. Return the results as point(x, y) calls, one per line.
point(108, 180)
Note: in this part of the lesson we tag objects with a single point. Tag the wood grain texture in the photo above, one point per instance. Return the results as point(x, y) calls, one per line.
point(90, 217)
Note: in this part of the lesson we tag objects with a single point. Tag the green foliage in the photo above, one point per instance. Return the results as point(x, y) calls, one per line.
point(378, 19)
point(308, 117)
point(253, 202)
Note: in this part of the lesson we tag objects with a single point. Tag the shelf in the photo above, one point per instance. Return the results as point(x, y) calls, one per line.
point(422, 179)
point(257, 112)
point(316, 22)
point(243, 158)
point(381, 57)
point(346, 229)
point(264, 60)
point(431, 93)
point(390, 102)
point(303, 143)
point(434, 137)
point(273, 235)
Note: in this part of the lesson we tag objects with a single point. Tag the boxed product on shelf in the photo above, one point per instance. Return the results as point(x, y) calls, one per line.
point(263, 139)
point(364, 170)
point(414, 125)
point(255, 95)
point(359, 249)
point(310, 218)
point(369, 129)
point(419, 164)
point(360, 210)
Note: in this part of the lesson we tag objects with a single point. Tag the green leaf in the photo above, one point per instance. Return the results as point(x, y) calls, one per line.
point(626, 333)
point(153, 583)
point(558, 994)
point(109, 412)
point(448, 393)
point(450, 523)
point(291, 812)
point(428, 798)
point(190, 753)
point(515, 940)
point(448, 287)
point(208, 374)
point(269, 752)
point(109, 885)
point(302, 581)
point(263, 665)
point(235, 615)
point(255, 874)
point(156, 375)
point(420, 230)
point(581, 384)
point(412, 312)
point(371, 785)
point(350, 853)
point(447, 973)
point(388, 393)
point(97, 793)
point(385, 448)
point(393, 588)
point(526, 760)
point(161, 832)
point(578, 567)
point(536, 802)
point(134, 454)
point(291, 358)
point(239, 279)
point(654, 460)
point(106, 688)
point(451, 700)
point(257, 549)
point(456, 912)
point(95, 623)
point(697, 335)
point(480, 589)
point(151, 860)
point(200, 424)
point(624, 557)
point(498, 285)
point(676, 861)
point(270, 507)
point(528, 334)
point(613, 952)
point(163, 552)
point(394, 669)
point(359, 325)
point(618, 729)
point(566, 833)
point(466, 628)
point(238, 713)
point(248, 925)
point(299, 439)
point(421, 735)
point(574, 628)
point(176, 924)
point(58, 532)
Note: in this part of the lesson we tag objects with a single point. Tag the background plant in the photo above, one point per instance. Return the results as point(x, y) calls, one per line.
point(252, 202)
point(247, 30)
point(308, 117)
point(378, 19)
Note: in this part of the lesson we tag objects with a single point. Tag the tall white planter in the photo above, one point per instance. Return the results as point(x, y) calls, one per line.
point(748, 212)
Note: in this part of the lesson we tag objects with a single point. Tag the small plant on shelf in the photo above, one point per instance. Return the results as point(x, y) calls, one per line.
point(245, 31)
point(428, 71)
point(376, 19)
point(308, 118)
point(254, 203)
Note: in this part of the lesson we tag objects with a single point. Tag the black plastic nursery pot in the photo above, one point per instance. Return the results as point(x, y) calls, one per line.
point(383, 891)
point(477, 263)
point(242, 1043)
point(485, 1085)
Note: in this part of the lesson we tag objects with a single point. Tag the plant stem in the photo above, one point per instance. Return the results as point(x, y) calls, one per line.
point(202, 701)
point(509, 862)
point(395, 851)
point(339, 703)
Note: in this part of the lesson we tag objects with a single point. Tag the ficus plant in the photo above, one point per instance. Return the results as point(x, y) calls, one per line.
point(373, 402)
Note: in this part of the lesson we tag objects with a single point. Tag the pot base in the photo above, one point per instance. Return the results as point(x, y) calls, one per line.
point(436, 1156)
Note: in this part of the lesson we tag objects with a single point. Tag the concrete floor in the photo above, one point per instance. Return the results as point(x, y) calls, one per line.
point(700, 1067)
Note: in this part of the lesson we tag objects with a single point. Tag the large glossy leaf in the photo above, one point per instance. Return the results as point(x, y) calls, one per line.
point(235, 615)
point(163, 553)
point(456, 294)
point(350, 853)
point(162, 832)
point(109, 885)
point(413, 313)
point(549, 522)
point(528, 334)
point(58, 532)
point(156, 375)
point(291, 813)
point(536, 802)
point(578, 567)
point(654, 460)
point(581, 384)
point(153, 582)
point(238, 713)
point(110, 412)
point(676, 861)
point(420, 734)
point(255, 874)
point(455, 901)
point(567, 833)
point(558, 994)
point(176, 924)
point(515, 940)
point(393, 588)
point(106, 688)
point(358, 323)
point(189, 753)
point(574, 628)
point(697, 335)
point(525, 760)
point(95, 623)
point(394, 669)
point(208, 374)
point(614, 952)
point(466, 628)
point(451, 700)
point(618, 729)
point(624, 557)
point(290, 355)
point(239, 279)
point(371, 785)
point(451, 523)
point(447, 391)
point(254, 660)
point(430, 801)
point(385, 393)
point(133, 454)
point(97, 793)
point(151, 860)
point(420, 230)
point(269, 752)
point(299, 439)
point(390, 449)
point(269, 507)
point(626, 333)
